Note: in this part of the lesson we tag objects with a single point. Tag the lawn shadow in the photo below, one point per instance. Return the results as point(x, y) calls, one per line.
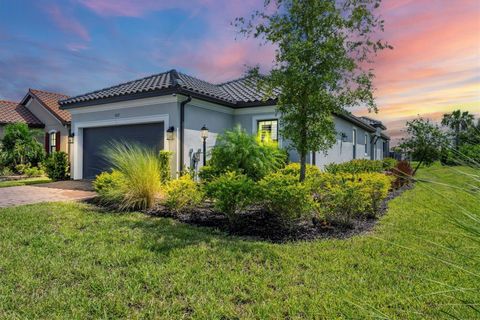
point(163, 236)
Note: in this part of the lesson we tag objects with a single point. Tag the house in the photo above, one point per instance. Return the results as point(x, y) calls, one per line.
point(12, 112)
point(40, 109)
point(169, 109)
point(44, 106)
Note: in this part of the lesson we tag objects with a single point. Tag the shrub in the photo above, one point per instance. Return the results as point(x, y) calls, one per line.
point(402, 173)
point(34, 172)
point(6, 171)
point(294, 169)
point(56, 166)
point(389, 164)
point(339, 198)
point(344, 196)
point(164, 162)
point(182, 194)
point(208, 173)
point(20, 146)
point(285, 198)
point(356, 166)
point(20, 168)
point(110, 186)
point(232, 193)
point(376, 185)
point(141, 170)
point(236, 150)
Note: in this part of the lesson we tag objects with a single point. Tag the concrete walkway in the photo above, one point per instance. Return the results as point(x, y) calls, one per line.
point(46, 192)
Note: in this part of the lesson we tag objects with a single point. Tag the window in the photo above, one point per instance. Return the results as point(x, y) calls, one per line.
point(53, 142)
point(354, 143)
point(268, 129)
point(366, 144)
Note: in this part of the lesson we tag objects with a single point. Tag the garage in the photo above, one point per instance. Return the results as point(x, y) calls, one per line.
point(94, 139)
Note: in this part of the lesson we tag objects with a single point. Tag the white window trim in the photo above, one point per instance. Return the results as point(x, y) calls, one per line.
point(79, 126)
point(266, 117)
point(53, 131)
point(354, 142)
point(366, 144)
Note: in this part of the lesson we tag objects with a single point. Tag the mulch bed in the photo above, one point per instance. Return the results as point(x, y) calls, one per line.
point(257, 224)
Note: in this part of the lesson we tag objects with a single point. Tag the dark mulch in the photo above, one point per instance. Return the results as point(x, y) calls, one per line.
point(258, 224)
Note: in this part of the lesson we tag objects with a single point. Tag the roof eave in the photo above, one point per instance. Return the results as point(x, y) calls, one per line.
point(141, 95)
point(59, 118)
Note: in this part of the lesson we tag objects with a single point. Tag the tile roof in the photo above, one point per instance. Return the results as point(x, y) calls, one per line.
point(245, 90)
point(11, 112)
point(50, 101)
point(372, 122)
point(233, 93)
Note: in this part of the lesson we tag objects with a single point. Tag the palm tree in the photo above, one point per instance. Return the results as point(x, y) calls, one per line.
point(458, 121)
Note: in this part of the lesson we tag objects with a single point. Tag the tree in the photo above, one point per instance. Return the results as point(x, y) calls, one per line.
point(20, 145)
point(323, 49)
point(424, 142)
point(458, 122)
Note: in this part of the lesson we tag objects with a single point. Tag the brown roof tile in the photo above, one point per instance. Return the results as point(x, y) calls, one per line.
point(11, 112)
point(50, 101)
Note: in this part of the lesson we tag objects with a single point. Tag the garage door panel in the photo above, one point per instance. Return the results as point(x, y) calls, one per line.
point(95, 139)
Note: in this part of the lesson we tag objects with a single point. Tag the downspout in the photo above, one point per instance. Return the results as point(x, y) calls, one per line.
point(182, 130)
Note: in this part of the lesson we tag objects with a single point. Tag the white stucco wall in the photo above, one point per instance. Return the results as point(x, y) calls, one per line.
point(217, 118)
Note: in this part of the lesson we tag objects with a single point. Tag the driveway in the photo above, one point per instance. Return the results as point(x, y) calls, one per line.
point(46, 192)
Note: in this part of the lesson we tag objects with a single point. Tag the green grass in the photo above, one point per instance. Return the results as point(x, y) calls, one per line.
point(71, 261)
point(24, 182)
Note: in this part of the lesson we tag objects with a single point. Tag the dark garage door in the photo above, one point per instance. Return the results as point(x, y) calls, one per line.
point(150, 135)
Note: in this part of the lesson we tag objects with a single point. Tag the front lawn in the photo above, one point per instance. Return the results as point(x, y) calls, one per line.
point(73, 261)
point(24, 182)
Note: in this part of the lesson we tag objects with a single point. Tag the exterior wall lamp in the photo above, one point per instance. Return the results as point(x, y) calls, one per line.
point(204, 135)
point(170, 132)
point(71, 137)
point(344, 137)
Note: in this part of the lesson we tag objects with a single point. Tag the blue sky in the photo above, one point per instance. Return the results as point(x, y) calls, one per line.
point(75, 46)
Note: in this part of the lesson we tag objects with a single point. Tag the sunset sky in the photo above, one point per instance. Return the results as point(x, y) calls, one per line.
point(74, 46)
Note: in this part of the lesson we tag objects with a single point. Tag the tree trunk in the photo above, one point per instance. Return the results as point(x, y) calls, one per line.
point(418, 165)
point(457, 137)
point(303, 165)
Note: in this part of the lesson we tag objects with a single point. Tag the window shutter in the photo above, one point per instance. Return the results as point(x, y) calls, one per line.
point(57, 141)
point(47, 142)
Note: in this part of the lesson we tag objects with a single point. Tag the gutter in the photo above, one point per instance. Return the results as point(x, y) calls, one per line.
point(182, 130)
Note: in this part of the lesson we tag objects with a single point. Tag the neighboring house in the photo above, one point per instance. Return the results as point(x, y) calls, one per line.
point(168, 110)
point(44, 105)
point(12, 112)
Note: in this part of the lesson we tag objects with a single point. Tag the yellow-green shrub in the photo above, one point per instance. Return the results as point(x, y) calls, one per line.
point(355, 166)
point(182, 194)
point(285, 198)
point(376, 185)
point(33, 172)
point(110, 186)
point(164, 161)
point(389, 163)
point(344, 196)
point(232, 192)
point(294, 169)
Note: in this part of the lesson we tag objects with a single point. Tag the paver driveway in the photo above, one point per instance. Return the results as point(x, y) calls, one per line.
point(14, 196)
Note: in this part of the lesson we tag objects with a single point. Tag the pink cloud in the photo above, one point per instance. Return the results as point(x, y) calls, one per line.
point(218, 63)
point(68, 23)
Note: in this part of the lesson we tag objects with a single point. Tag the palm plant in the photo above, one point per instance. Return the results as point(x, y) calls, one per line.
point(236, 150)
point(141, 170)
point(458, 121)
